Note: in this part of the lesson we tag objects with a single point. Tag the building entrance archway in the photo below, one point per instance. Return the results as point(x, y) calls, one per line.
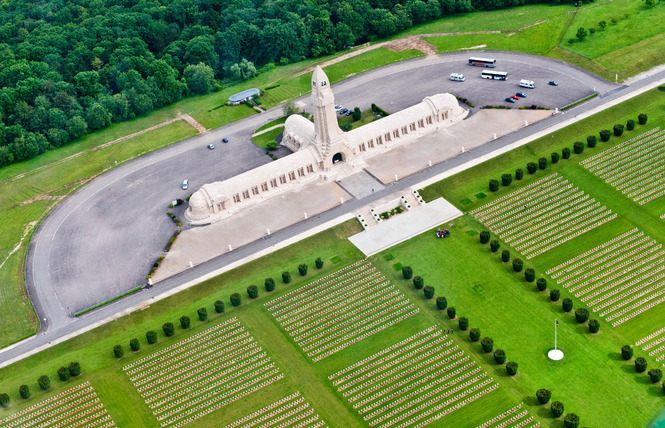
point(337, 157)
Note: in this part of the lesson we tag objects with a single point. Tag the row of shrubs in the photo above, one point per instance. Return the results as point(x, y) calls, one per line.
point(167, 248)
point(44, 382)
point(656, 375)
point(175, 218)
point(463, 322)
point(571, 420)
point(578, 148)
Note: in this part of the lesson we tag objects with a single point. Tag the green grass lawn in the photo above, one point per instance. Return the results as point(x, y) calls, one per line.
point(267, 137)
point(367, 117)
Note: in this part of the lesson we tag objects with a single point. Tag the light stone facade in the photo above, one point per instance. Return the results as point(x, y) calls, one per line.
point(322, 151)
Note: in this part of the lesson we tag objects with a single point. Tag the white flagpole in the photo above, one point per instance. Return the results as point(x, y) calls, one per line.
point(556, 324)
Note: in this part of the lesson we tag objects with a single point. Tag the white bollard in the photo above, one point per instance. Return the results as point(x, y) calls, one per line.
point(395, 177)
point(305, 216)
point(341, 200)
point(191, 265)
point(462, 149)
point(268, 231)
point(230, 248)
point(430, 163)
point(526, 123)
point(149, 283)
point(495, 135)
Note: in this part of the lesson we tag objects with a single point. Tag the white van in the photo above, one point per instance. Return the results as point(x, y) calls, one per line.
point(457, 77)
point(527, 84)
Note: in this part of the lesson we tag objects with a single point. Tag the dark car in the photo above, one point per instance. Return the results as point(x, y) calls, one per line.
point(510, 100)
point(225, 140)
point(521, 94)
point(343, 111)
point(348, 113)
point(553, 83)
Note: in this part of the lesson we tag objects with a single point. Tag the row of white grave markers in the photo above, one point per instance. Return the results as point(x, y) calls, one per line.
point(290, 411)
point(599, 157)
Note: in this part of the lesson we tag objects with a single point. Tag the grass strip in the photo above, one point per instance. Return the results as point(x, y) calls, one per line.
point(571, 105)
point(106, 302)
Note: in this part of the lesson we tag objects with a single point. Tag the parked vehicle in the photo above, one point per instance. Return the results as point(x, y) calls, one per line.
point(515, 97)
point(553, 83)
point(521, 94)
point(510, 100)
point(343, 111)
point(338, 108)
point(224, 140)
point(185, 185)
point(527, 84)
point(457, 77)
point(211, 147)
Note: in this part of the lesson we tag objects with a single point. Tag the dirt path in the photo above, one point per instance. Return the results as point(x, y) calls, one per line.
point(263, 131)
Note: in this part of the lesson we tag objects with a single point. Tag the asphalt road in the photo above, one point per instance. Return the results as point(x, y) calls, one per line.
point(101, 240)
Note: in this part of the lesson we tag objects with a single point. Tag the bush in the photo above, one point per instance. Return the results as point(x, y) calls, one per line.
point(543, 396)
point(151, 337)
point(24, 391)
point(555, 158)
point(463, 323)
point(618, 130)
point(235, 299)
point(494, 245)
point(506, 179)
point(286, 277)
point(630, 125)
point(487, 343)
point(357, 114)
point(642, 118)
point(626, 352)
point(74, 368)
point(556, 408)
point(168, 328)
point(44, 382)
point(505, 256)
point(605, 135)
point(541, 284)
point(582, 315)
point(578, 147)
point(474, 334)
point(4, 400)
point(118, 351)
point(517, 265)
point(302, 269)
point(253, 291)
point(219, 306)
point(567, 304)
point(511, 368)
point(202, 313)
point(519, 174)
point(571, 420)
point(656, 375)
point(269, 284)
point(565, 153)
point(494, 185)
point(63, 374)
point(134, 345)
point(185, 322)
point(531, 167)
point(441, 303)
point(591, 141)
point(484, 237)
point(640, 364)
point(554, 295)
point(500, 356)
point(594, 326)
point(318, 263)
point(429, 292)
point(451, 312)
point(418, 282)
point(407, 272)
point(542, 163)
point(529, 275)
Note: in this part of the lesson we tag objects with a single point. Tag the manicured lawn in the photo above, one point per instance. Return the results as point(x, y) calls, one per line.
point(267, 137)
point(367, 117)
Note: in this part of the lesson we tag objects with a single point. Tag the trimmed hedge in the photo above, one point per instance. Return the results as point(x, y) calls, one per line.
point(429, 291)
point(565, 153)
point(578, 147)
point(463, 323)
point(235, 299)
point(219, 306)
point(517, 265)
point(554, 295)
point(591, 141)
point(441, 303)
point(605, 135)
point(494, 185)
point(418, 282)
point(519, 174)
point(269, 284)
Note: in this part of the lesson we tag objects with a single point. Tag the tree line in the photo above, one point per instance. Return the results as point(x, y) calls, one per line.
point(72, 67)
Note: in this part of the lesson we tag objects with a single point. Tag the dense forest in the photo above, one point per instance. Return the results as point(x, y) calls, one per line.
point(71, 67)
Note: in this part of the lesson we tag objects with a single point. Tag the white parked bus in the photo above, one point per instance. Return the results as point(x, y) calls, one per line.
point(482, 62)
point(457, 77)
point(494, 75)
point(527, 84)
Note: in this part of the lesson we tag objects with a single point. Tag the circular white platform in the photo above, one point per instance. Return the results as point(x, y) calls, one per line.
point(555, 354)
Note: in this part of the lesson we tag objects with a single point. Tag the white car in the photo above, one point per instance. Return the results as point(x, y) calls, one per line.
point(457, 77)
point(338, 108)
point(185, 185)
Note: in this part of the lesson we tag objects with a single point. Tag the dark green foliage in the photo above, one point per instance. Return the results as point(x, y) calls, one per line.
point(499, 356)
point(655, 375)
point(571, 420)
point(202, 313)
point(640, 365)
point(441, 303)
point(253, 291)
point(44, 382)
point(302, 269)
point(541, 284)
point(407, 272)
point(565, 153)
point(488, 344)
point(594, 326)
point(591, 141)
point(474, 334)
point(169, 329)
point(346, 126)
point(494, 185)
point(567, 304)
point(578, 147)
point(630, 125)
point(555, 158)
point(484, 237)
point(318, 263)
point(505, 256)
point(63, 374)
point(235, 299)
point(581, 315)
point(543, 395)
point(542, 163)
point(4, 400)
point(74, 368)
point(605, 135)
point(451, 312)
point(506, 179)
point(618, 130)
point(286, 277)
point(531, 167)
point(118, 351)
point(626, 352)
point(24, 391)
point(357, 114)
point(269, 284)
point(494, 245)
point(463, 323)
point(429, 292)
point(529, 275)
point(219, 306)
point(151, 337)
point(134, 345)
point(556, 408)
point(642, 118)
point(517, 265)
point(519, 174)
point(554, 295)
point(185, 322)
point(511, 368)
point(418, 282)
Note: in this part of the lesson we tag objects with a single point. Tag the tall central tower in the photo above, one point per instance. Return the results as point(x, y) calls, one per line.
point(327, 131)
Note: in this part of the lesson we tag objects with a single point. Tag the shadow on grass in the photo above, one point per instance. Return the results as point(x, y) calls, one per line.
point(615, 356)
